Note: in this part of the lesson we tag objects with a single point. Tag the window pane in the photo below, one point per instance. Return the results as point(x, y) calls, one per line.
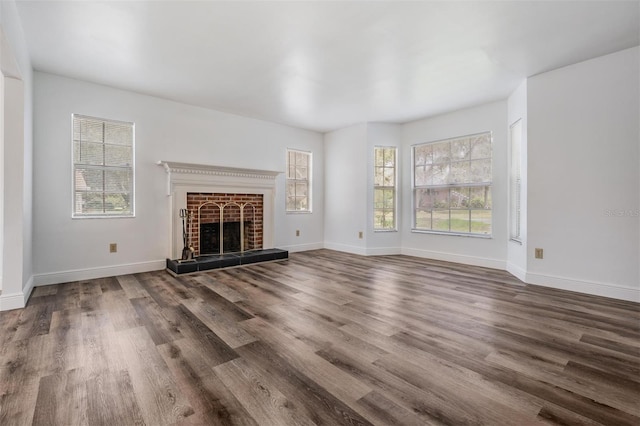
point(389, 157)
point(481, 171)
point(480, 197)
point(441, 220)
point(423, 199)
point(378, 198)
point(117, 203)
point(301, 173)
point(118, 133)
point(291, 202)
point(423, 154)
point(88, 153)
point(379, 156)
point(89, 202)
point(423, 219)
point(301, 159)
point(378, 176)
point(440, 174)
point(460, 172)
point(441, 152)
point(389, 177)
point(459, 198)
point(89, 179)
point(117, 155)
point(301, 189)
point(460, 149)
point(481, 146)
point(118, 180)
point(481, 221)
point(389, 199)
point(88, 130)
point(440, 198)
point(459, 220)
point(302, 203)
point(423, 175)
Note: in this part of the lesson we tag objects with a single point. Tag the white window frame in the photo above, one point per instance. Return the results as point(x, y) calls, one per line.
point(74, 164)
point(415, 187)
point(515, 181)
point(394, 188)
point(294, 179)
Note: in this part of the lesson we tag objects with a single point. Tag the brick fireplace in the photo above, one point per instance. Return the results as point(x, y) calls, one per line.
point(241, 219)
point(220, 185)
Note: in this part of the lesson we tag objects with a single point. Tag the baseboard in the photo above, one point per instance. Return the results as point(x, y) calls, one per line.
point(92, 273)
point(383, 251)
point(302, 247)
point(16, 300)
point(587, 287)
point(517, 272)
point(12, 301)
point(362, 251)
point(457, 258)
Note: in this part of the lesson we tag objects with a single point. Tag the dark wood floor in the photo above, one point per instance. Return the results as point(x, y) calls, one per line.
point(323, 338)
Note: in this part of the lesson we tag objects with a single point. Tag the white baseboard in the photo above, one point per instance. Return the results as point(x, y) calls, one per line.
point(100, 272)
point(382, 251)
point(16, 300)
point(346, 248)
point(588, 287)
point(457, 258)
point(302, 247)
point(517, 272)
point(12, 301)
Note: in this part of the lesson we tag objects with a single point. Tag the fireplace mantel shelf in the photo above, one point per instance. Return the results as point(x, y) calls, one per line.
point(205, 169)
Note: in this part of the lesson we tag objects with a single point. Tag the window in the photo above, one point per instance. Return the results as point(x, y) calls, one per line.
point(452, 185)
point(298, 181)
point(515, 183)
point(102, 167)
point(384, 189)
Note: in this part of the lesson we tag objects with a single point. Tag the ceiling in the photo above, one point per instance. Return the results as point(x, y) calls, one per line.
point(327, 64)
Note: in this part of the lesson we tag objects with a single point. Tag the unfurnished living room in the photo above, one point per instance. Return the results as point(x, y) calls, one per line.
point(319, 212)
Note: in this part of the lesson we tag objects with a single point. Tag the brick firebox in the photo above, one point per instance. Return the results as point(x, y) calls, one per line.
point(206, 210)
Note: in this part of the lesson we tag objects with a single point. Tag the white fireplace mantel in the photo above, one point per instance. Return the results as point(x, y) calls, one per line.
point(183, 178)
point(196, 173)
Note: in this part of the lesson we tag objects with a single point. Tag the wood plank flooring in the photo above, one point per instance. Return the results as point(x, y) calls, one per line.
point(323, 338)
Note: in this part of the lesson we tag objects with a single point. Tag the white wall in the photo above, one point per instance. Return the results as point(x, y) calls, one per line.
point(345, 153)
point(382, 242)
point(67, 249)
point(517, 251)
point(477, 251)
point(583, 177)
point(17, 157)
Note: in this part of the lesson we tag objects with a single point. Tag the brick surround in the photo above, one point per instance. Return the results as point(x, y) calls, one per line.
point(210, 213)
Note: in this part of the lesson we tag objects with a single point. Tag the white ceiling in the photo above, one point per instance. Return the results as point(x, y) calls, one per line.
point(322, 65)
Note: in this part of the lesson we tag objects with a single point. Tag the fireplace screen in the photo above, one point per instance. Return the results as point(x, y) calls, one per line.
point(226, 223)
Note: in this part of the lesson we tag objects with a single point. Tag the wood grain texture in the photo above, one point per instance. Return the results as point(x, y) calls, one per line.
point(324, 338)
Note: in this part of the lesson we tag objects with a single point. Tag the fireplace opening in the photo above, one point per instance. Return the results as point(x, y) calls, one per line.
point(210, 237)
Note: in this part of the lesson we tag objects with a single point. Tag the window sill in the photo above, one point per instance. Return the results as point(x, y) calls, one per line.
point(298, 212)
point(515, 241)
point(128, 216)
point(455, 234)
point(385, 230)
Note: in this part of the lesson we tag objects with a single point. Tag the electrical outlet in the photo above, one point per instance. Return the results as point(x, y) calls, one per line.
point(113, 248)
point(297, 232)
point(360, 234)
point(539, 253)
